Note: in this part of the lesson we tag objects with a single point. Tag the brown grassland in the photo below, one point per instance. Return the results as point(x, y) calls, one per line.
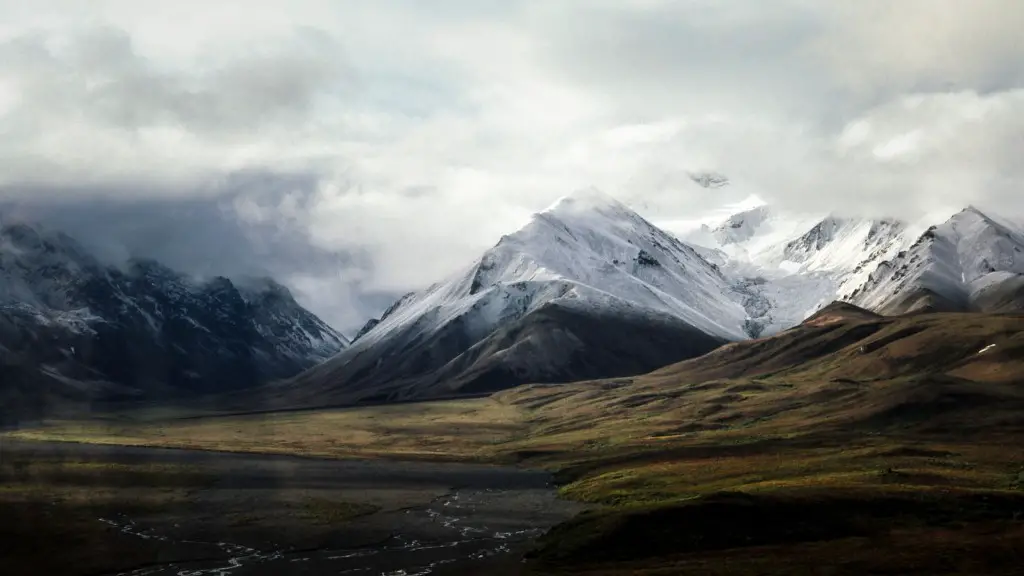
point(852, 444)
point(50, 510)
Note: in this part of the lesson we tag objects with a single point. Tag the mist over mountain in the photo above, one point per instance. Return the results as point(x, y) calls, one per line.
point(75, 330)
point(237, 232)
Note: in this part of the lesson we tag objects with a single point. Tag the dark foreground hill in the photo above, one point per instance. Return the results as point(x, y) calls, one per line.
point(875, 444)
point(844, 368)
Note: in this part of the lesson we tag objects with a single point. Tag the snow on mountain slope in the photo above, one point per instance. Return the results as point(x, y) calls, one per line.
point(143, 328)
point(587, 251)
point(39, 268)
point(847, 249)
point(589, 256)
point(969, 258)
point(789, 264)
point(782, 243)
point(277, 316)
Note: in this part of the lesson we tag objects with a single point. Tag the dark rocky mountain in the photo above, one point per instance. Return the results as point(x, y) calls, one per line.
point(75, 330)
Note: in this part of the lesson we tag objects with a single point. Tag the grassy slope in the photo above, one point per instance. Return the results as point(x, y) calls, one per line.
point(834, 377)
point(815, 428)
point(811, 426)
point(458, 430)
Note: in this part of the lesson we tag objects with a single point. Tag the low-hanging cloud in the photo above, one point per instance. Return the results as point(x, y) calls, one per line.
point(255, 226)
point(358, 151)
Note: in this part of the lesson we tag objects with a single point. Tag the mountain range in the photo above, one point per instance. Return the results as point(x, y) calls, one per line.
point(799, 263)
point(588, 288)
point(74, 330)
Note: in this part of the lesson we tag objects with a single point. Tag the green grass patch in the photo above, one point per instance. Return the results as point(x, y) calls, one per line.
point(325, 511)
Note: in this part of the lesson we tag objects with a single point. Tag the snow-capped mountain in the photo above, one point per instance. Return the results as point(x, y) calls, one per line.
point(588, 250)
point(973, 261)
point(786, 242)
point(74, 327)
point(587, 288)
point(590, 288)
point(788, 264)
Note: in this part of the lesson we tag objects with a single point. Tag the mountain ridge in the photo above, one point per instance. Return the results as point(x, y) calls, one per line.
point(590, 256)
point(958, 265)
point(588, 288)
point(586, 256)
point(75, 329)
point(792, 264)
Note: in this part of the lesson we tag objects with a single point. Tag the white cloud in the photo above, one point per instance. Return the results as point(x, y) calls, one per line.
point(424, 132)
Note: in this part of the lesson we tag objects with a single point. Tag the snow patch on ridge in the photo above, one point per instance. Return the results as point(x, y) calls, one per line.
point(954, 261)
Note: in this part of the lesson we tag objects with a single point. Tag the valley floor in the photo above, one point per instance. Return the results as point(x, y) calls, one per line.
point(78, 509)
point(741, 500)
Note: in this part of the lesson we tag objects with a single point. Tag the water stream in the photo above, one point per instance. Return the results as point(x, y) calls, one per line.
point(454, 532)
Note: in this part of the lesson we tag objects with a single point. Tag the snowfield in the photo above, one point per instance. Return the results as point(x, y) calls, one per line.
point(792, 264)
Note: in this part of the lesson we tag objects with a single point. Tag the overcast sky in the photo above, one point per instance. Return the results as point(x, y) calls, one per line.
point(359, 149)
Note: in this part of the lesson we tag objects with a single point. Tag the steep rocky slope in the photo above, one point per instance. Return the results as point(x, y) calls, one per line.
point(972, 261)
point(74, 329)
point(587, 288)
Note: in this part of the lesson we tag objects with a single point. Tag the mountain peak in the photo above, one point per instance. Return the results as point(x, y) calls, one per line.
point(545, 302)
point(262, 287)
point(975, 214)
point(970, 210)
point(585, 200)
point(950, 265)
point(742, 226)
point(24, 236)
point(140, 327)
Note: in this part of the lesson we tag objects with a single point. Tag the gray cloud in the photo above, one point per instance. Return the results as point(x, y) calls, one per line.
point(254, 226)
point(97, 73)
point(361, 150)
point(675, 56)
point(87, 105)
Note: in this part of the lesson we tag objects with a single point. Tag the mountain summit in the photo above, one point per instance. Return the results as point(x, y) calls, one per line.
point(586, 288)
point(972, 261)
point(792, 264)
